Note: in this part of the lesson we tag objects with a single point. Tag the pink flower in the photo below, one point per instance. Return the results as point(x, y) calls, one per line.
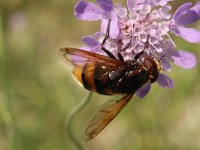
point(143, 25)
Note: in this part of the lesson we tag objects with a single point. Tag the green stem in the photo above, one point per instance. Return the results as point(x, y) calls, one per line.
point(5, 100)
point(70, 118)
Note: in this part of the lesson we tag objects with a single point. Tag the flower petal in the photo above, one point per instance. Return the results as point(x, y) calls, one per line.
point(120, 10)
point(196, 8)
point(186, 14)
point(183, 59)
point(97, 35)
point(114, 28)
point(131, 3)
point(181, 9)
point(164, 81)
point(88, 11)
point(188, 17)
point(164, 2)
point(142, 92)
point(107, 5)
point(165, 65)
point(90, 41)
point(189, 34)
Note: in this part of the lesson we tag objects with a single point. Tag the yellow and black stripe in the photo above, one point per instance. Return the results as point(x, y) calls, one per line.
point(94, 77)
point(85, 76)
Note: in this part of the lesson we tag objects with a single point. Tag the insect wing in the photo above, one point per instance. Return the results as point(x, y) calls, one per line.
point(79, 57)
point(105, 116)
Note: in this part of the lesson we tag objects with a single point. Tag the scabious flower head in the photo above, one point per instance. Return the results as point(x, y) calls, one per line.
point(143, 25)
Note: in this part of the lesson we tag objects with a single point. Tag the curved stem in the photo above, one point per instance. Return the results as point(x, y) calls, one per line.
point(70, 118)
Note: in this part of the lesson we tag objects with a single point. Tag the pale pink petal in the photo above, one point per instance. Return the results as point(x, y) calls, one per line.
point(189, 34)
point(165, 81)
point(114, 28)
point(107, 5)
point(88, 11)
point(183, 59)
point(181, 9)
point(142, 92)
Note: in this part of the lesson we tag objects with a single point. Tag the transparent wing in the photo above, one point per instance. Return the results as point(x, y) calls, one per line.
point(106, 114)
point(79, 57)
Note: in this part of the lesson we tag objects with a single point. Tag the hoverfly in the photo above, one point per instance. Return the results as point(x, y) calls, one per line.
point(108, 75)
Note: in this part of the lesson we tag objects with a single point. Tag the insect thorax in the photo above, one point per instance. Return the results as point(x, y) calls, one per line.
point(132, 78)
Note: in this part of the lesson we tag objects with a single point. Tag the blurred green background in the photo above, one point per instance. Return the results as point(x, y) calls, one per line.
point(37, 90)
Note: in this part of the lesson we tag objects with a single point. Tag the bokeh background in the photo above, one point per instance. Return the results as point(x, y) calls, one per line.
point(37, 90)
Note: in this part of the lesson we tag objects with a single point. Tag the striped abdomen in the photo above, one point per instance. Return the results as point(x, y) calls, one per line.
point(95, 77)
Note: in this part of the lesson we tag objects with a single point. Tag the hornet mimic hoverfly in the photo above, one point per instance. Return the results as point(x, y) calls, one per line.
point(109, 75)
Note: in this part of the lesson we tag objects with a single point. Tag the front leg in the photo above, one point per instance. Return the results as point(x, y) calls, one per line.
point(105, 39)
point(138, 55)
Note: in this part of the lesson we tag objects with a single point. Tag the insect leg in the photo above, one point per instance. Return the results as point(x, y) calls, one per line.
point(107, 33)
point(119, 54)
point(138, 55)
point(120, 57)
point(105, 39)
point(108, 52)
